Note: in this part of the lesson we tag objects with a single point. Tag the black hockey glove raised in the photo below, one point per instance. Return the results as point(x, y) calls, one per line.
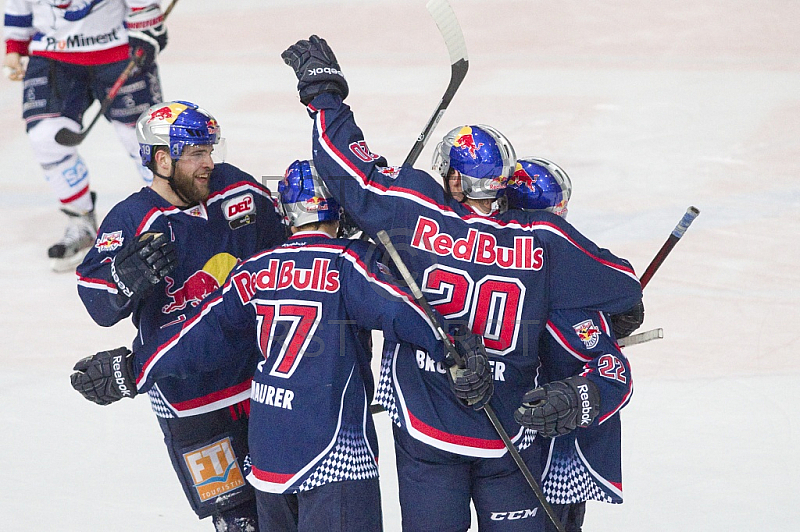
point(105, 377)
point(143, 264)
point(559, 407)
point(316, 69)
point(146, 31)
point(474, 383)
point(624, 323)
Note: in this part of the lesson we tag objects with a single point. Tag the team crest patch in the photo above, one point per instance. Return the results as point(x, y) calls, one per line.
point(389, 171)
point(588, 332)
point(214, 469)
point(109, 241)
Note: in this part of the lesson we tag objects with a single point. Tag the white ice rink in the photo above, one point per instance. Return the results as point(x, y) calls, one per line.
point(649, 106)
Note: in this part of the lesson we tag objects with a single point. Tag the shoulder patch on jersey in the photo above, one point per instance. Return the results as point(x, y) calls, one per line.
point(109, 241)
point(588, 333)
point(239, 210)
point(389, 171)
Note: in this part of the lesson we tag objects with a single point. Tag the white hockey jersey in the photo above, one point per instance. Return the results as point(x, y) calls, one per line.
point(83, 31)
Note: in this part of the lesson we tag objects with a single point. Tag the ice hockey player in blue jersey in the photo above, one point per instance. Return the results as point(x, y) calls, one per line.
point(158, 254)
point(500, 276)
point(308, 306)
point(579, 349)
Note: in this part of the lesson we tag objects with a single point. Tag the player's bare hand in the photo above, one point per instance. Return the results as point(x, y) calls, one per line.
point(13, 66)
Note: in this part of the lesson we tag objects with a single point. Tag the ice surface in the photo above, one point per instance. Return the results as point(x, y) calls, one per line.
point(649, 106)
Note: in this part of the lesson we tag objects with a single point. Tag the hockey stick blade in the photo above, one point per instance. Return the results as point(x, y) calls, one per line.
point(640, 338)
point(445, 19)
point(419, 297)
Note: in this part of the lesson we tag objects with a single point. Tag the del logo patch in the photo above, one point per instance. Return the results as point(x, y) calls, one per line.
point(588, 332)
point(109, 241)
point(214, 469)
point(239, 211)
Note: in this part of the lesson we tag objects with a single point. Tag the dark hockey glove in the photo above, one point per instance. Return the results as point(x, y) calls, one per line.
point(143, 264)
point(316, 69)
point(624, 323)
point(146, 31)
point(105, 377)
point(559, 407)
point(474, 383)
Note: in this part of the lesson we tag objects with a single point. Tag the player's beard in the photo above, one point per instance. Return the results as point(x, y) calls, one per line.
point(190, 189)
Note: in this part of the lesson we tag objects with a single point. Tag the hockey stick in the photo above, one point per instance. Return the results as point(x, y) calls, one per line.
point(446, 21)
point(677, 233)
point(640, 338)
point(67, 137)
point(383, 236)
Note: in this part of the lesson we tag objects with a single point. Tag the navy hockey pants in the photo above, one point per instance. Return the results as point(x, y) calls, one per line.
point(208, 452)
point(53, 88)
point(436, 487)
point(348, 506)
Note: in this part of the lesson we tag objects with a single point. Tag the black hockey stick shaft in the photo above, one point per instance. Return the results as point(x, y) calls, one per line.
point(419, 297)
point(67, 137)
point(691, 213)
point(446, 21)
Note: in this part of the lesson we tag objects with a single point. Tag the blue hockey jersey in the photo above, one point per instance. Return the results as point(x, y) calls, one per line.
point(239, 218)
point(502, 276)
point(586, 463)
point(307, 306)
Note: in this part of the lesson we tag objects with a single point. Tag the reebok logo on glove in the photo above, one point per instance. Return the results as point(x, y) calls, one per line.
point(119, 377)
point(586, 405)
point(326, 70)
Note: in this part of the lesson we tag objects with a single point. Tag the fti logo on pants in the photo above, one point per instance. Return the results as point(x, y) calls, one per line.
point(214, 469)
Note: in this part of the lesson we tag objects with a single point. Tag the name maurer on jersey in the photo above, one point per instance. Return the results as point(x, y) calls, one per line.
point(278, 276)
point(478, 247)
point(80, 41)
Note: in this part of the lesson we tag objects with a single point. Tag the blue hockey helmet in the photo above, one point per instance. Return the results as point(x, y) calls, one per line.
point(175, 125)
point(538, 184)
point(304, 196)
point(482, 155)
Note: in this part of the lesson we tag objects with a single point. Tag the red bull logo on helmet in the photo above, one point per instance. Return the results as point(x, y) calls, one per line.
point(109, 241)
point(588, 333)
point(464, 139)
point(167, 113)
point(521, 177)
point(199, 285)
point(315, 204)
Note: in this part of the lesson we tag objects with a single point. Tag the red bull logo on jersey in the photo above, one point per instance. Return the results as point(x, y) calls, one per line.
point(465, 140)
point(478, 247)
point(284, 275)
point(214, 469)
point(588, 333)
point(389, 171)
point(191, 292)
point(109, 241)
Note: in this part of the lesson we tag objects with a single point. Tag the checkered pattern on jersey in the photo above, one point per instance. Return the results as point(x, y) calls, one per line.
point(568, 481)
point(349, 459)
point(528, 437)
point(157, 403)
point(384, 395)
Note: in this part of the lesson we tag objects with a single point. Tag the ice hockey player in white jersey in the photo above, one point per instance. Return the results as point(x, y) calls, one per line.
point(75, 53)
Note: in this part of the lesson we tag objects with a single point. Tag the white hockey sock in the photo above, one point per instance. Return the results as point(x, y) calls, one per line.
point(127, 135)
point(63, 168)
